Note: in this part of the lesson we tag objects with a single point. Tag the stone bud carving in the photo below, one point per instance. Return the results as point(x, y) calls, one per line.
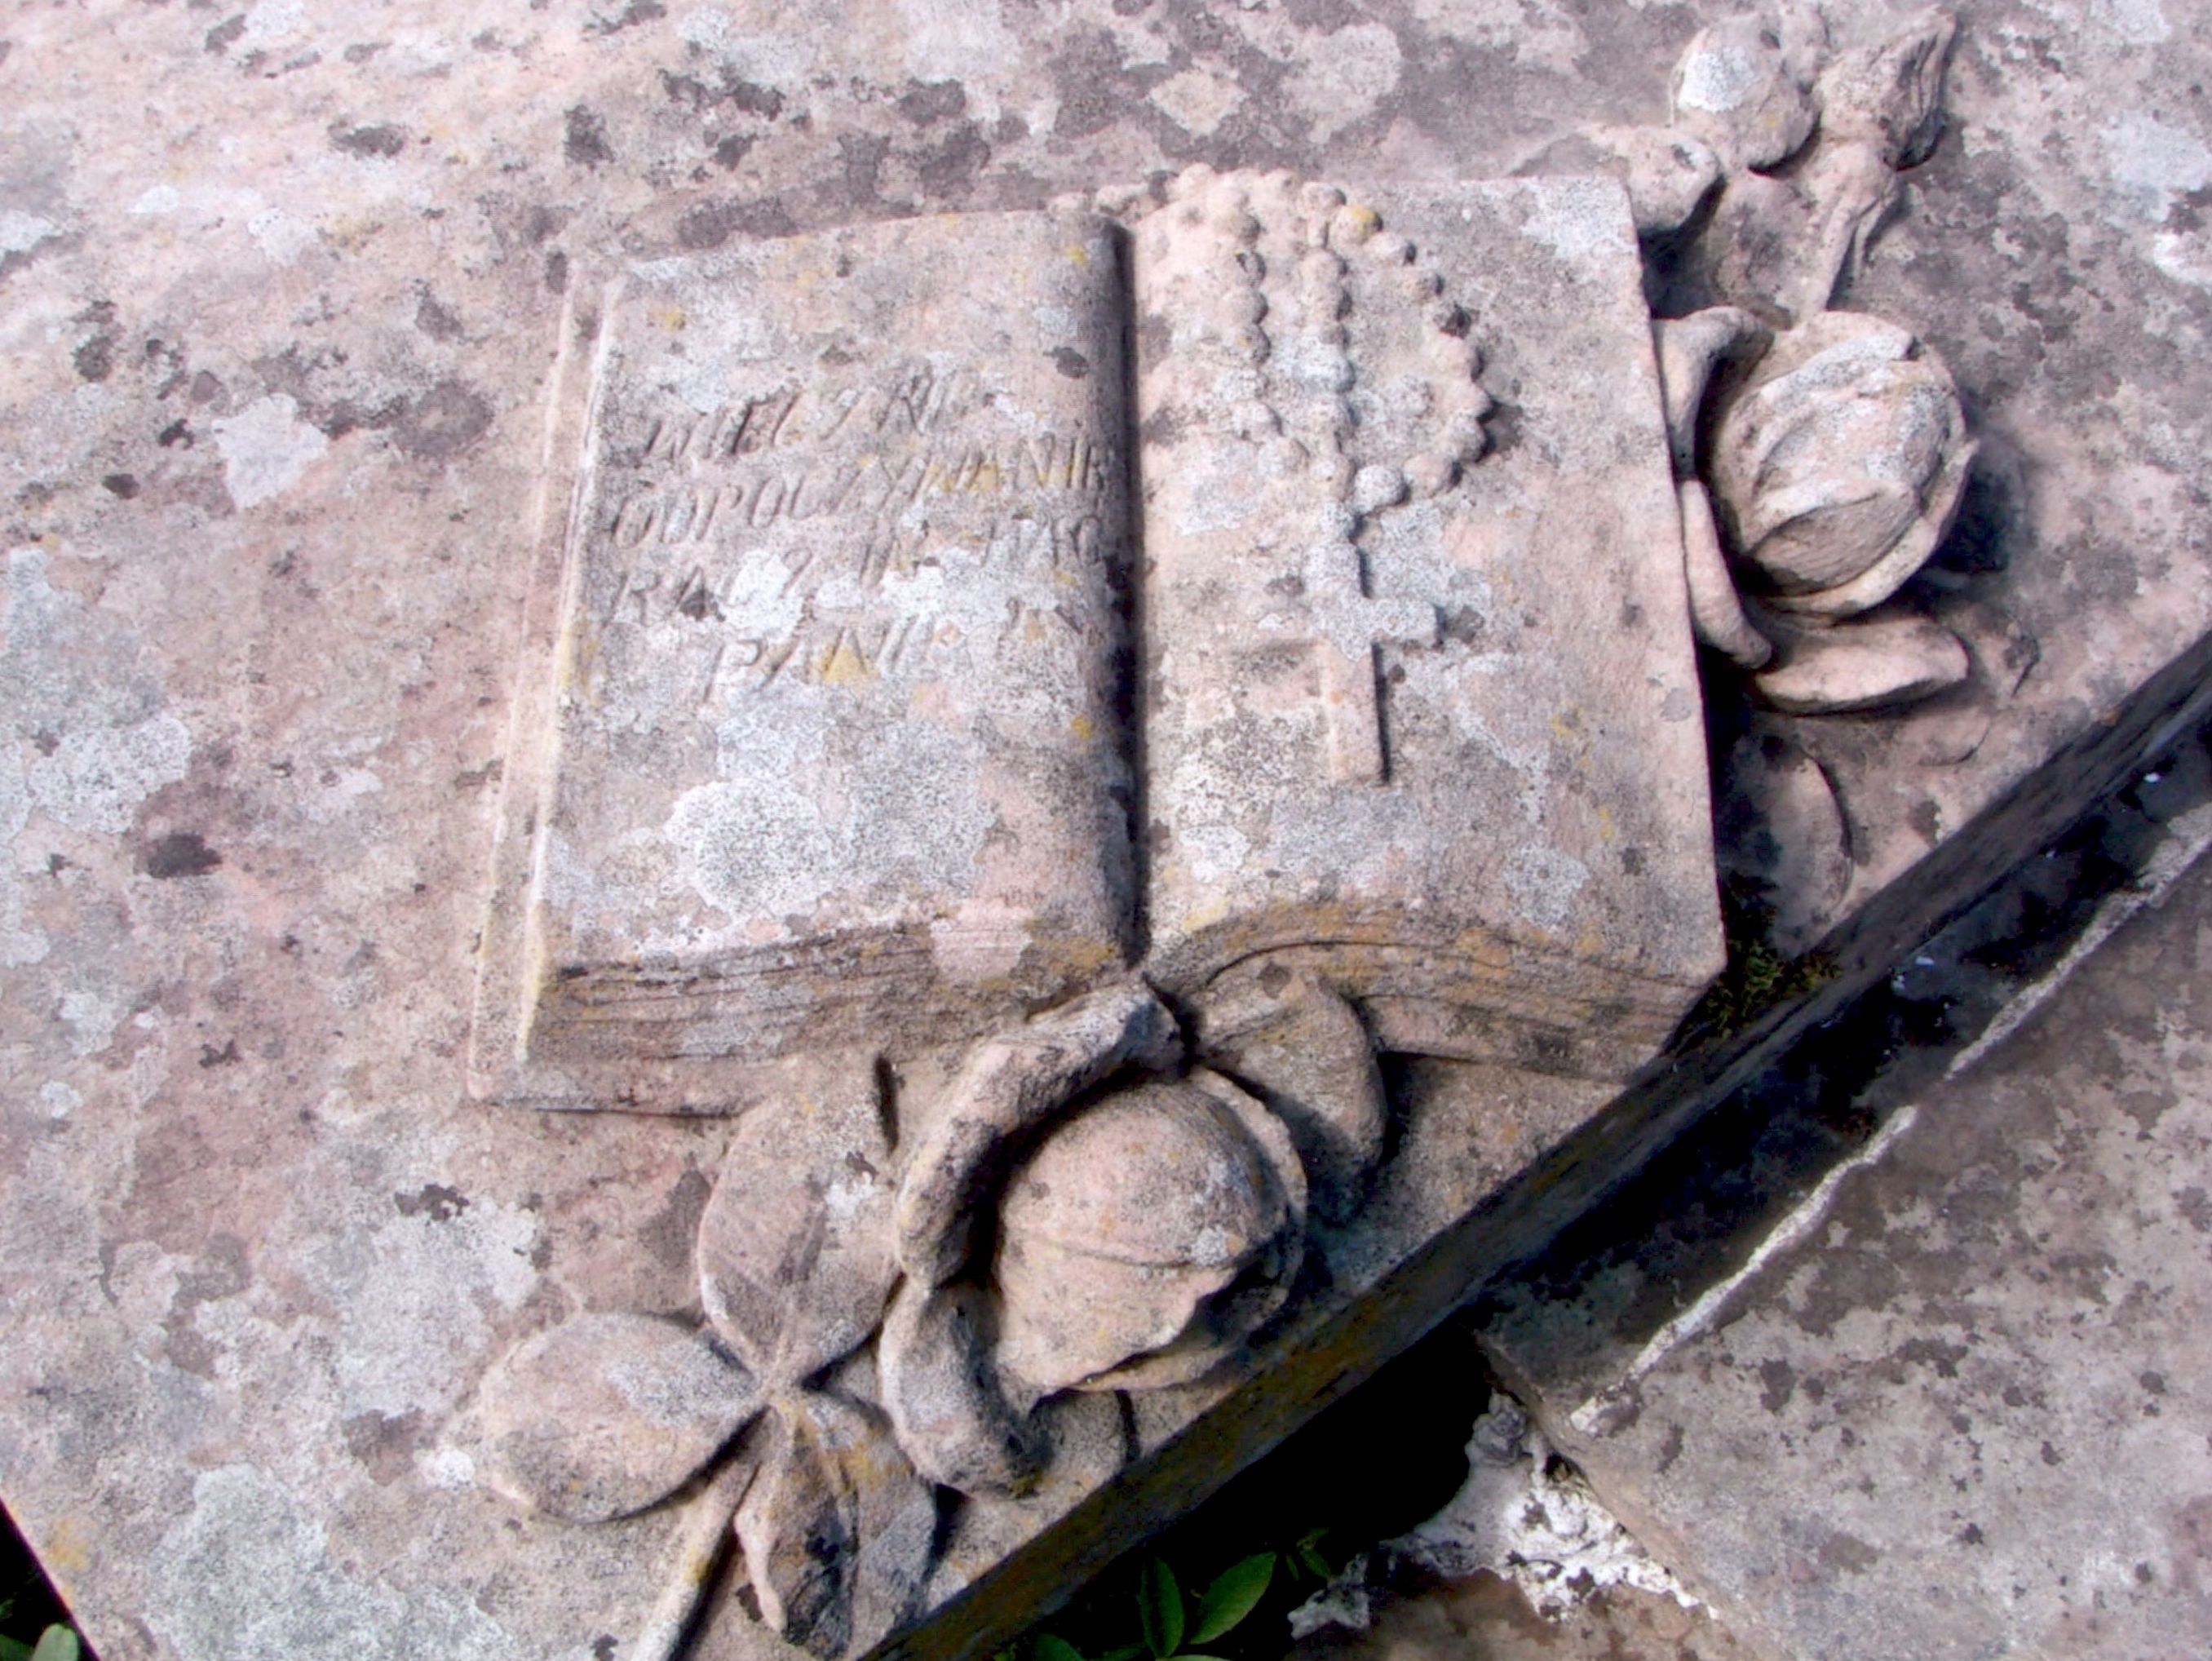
point(1838, 465)
point(1147, 1235)
point(1745, 87)
point(1883, 110)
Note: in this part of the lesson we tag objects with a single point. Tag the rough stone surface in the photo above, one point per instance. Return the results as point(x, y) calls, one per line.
point(1955, 1407)
point(1488, 1617)
point(283, 296)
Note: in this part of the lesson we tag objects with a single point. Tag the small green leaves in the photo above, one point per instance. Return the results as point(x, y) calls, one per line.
point(1308, 1555)
point(55, 1644)
point(1159, 1610)
point(1168, 1619)
point(1235, 1593)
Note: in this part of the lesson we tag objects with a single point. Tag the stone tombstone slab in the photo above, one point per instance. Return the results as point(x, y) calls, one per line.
point(819, 744)
point(281, 292)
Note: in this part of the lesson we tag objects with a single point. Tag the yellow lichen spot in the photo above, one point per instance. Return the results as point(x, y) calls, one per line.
point(1607, 830)
point(1079, 254)
point(1365, 221)
point(1589, 943)
point(670, 318)
point(1205, 916)
point(1084, 728)
point(68, 1551)
point(846, 667)
point(349, 235)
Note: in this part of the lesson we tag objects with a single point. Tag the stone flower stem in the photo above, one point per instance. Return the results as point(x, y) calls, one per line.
point(706, 1541)
point(1862, 188)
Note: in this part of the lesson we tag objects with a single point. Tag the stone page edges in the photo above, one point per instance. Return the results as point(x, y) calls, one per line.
point(834, 752)
point(828, 752)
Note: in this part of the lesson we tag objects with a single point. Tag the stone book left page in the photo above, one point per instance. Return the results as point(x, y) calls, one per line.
point(820, 739)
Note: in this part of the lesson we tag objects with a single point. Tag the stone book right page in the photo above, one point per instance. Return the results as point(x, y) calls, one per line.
point(1421, 714)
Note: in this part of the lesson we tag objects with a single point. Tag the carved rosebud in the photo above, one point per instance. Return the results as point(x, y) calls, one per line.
point(1147, 1235)
point(1838, 467)
point(1744, 86)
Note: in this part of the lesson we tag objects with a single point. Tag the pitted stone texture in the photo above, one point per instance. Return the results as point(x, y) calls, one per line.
point(1959, 1410)
point(1532, 843)
point(829, 751)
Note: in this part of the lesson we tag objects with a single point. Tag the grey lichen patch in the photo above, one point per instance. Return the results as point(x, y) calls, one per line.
point(266, 448)
point(248, 1575)
point(100, 740)
point(429, 1268)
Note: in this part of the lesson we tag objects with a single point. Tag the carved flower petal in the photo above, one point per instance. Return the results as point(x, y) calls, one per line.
point(1716, 609)
point(941, 1387)
point(1303, 1049)
point(1874, 663)
point(795, 1245)
point(836, 1529)
point(1008, 1085)
point(608, 1413)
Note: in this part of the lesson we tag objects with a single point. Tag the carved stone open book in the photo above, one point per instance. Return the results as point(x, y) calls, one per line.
point(1025, 712)
point(868, 648)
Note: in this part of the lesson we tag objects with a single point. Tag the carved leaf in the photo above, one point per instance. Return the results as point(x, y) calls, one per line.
point(942, 1390)
point(1006, 1086)
point(794, 1245)
point(1716, 609)
point(1891, 94)
point(836, 1529)
point(1298, 1044)
point(608, 1413)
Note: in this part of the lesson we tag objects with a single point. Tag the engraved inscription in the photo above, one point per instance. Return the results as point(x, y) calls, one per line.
point(835, 534)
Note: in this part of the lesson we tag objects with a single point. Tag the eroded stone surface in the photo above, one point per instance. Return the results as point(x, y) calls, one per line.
point(1955, 1407)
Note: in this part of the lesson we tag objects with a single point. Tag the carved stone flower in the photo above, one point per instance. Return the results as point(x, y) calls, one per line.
point(1838, 467)
point(1146, 1236)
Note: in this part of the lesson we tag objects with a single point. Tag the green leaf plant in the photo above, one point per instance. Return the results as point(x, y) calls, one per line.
point(55, 1644)
point(1171, 1621)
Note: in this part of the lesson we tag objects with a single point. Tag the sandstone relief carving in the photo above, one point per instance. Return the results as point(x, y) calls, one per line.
point(1018, 726)
point(1823, 452)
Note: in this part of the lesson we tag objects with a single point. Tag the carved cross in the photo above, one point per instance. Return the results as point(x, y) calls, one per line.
point(1351, 627)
